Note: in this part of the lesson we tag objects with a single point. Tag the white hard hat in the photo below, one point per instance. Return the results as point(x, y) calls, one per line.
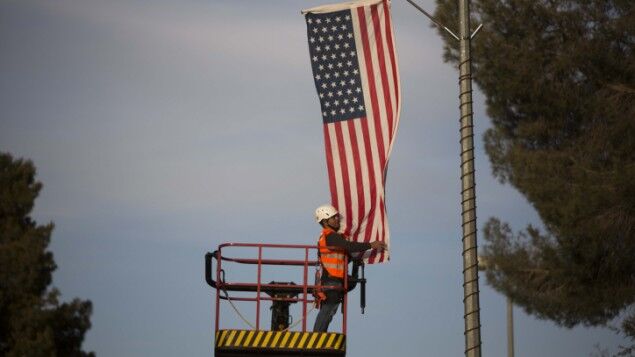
point(324, 212)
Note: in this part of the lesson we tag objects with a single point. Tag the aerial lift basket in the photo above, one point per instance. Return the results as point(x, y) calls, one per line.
point(281, 339)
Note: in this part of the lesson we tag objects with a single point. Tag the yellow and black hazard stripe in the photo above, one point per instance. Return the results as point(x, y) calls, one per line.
point(280, 340)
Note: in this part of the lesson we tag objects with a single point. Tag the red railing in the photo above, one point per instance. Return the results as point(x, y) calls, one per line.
point(303, 291)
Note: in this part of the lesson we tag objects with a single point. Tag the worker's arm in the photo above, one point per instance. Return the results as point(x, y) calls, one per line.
point(337, 240)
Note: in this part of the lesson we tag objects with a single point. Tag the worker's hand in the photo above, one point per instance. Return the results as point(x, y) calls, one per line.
point(378, 245)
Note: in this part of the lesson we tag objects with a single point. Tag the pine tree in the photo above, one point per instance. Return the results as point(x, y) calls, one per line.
point(559, 82)
point(32, 320)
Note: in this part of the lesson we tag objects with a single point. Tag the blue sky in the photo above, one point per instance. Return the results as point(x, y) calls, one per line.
point(161, 129)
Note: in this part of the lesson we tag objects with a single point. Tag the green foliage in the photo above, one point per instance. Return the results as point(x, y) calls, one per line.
point(555, 281)
point(559, 81)
point(32, 321)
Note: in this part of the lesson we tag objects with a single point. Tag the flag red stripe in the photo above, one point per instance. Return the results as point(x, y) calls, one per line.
point(393, 60)
point(330, 166)
point(384, 81)
point(371, 84)
point(358, 175)
point(382, 69)
point(377, 115)
point(371, 178)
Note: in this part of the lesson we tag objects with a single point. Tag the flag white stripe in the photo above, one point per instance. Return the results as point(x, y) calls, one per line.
point(352, 183)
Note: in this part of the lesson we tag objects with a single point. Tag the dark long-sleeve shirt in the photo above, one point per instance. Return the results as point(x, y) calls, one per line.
point(337, 240)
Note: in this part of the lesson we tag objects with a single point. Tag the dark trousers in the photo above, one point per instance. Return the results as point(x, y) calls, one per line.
point(328, 307)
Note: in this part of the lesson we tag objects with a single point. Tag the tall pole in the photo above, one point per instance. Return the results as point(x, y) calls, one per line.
point(510, 328)
point(468, 196)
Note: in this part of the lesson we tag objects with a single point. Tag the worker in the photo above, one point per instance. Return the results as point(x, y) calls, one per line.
point(333, 262)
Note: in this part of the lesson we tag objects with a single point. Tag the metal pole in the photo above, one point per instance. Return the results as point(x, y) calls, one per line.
point(510, 328)
point(468, 196)
point(305, 290)
point(433, 19)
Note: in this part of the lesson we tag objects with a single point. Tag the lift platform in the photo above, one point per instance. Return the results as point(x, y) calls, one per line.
point(279, 343)
point(281, 339)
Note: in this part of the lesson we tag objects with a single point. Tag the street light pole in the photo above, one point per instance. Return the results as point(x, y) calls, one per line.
point(510, 328)
point(468, 194)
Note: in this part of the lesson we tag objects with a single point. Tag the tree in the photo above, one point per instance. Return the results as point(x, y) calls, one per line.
point(32, 320)
point(559, 82)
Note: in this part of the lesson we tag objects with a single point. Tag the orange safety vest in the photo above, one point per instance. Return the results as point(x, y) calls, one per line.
point(334, 261)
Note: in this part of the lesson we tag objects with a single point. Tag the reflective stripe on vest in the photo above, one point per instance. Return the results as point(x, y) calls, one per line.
point(334, 261)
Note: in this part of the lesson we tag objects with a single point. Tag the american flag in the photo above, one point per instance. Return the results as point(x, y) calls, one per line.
point(354, 63)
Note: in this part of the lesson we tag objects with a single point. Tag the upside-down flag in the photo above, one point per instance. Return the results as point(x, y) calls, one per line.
point(354, 62)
